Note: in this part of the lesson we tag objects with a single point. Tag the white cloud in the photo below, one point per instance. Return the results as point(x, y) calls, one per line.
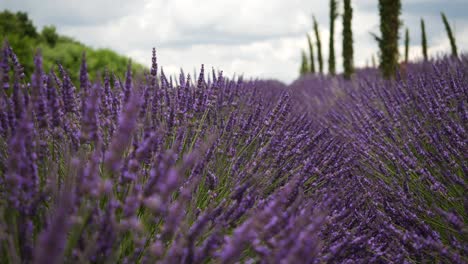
point(74, 12)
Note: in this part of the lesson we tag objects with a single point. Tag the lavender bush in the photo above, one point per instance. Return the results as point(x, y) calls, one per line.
point(205, 169)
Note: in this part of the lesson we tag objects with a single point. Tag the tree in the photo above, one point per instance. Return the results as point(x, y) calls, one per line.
point(407, 40)
point(389, 11)
point(423, 40)
point(49, 34)
point(304, 64)
point(373, 62)
point(311, 55)
point(453, 45)
point(348, 52)
point(331, 55)
point(25, 25)
point(319, 46)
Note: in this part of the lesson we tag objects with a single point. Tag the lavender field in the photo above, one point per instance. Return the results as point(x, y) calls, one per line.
point(207, 169)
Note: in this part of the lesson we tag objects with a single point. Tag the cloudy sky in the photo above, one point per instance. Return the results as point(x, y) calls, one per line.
point(257, 38)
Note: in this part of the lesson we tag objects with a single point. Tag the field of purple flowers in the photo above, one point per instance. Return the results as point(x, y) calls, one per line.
point(205, 169)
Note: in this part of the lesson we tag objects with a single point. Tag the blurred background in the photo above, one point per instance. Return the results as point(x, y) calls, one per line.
point(256, 37)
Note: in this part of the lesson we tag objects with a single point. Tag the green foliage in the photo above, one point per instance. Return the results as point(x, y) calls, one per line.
point(453, 44)
point(50, 36)
point(407, 40)
point(423, 40)
point(331, 56)
point(389, 11)
point(319, 46)
point(20, 32)
point(304, 64)
point(18, 23)
point(348, 52)
point(311, 54)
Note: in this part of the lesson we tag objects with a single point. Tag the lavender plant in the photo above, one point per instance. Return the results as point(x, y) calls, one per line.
point(207, 169)
point(408, 136)
point(153, 169)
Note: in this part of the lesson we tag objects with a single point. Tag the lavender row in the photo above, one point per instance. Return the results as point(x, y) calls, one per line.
point(409, 140)
point(150, 168)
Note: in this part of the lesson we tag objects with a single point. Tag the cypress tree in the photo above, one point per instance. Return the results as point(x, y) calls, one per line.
point(423, 40)
point(304, 64)
point(406, 45)
point(319, 46)
point(453, 45)
point(389, 11)
point(311, 54)
point(347, 51)
point(331, 55)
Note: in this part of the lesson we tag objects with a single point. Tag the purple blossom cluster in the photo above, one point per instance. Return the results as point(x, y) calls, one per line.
point(409, 140)
point(206, 169)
